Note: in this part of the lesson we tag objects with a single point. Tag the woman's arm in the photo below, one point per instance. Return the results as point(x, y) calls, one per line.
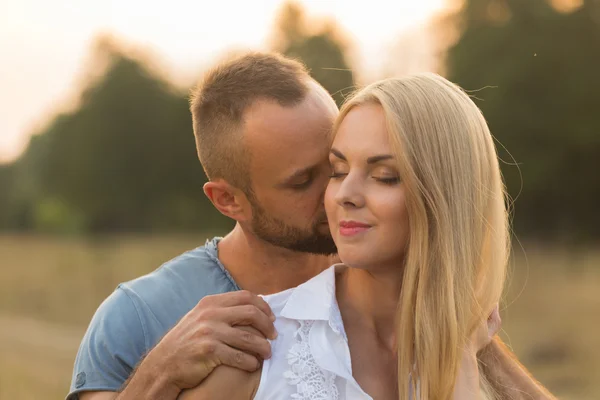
point(467, 382)
point(467, 385)
point(225, 383)
point(508, 376)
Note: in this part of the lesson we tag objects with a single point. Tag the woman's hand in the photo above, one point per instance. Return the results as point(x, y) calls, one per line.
point(485, 332)
point(467, 381)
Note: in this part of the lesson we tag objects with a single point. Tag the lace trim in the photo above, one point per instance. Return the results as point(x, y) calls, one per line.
point(312, 382)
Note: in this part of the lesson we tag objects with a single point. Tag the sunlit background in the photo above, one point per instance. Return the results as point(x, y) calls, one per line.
point(46, 44)
point(99, 180)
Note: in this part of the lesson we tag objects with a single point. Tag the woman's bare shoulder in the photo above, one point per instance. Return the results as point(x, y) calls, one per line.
point(225, 383)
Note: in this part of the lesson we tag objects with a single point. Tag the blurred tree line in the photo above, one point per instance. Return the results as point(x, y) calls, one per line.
point(125, 159)
point(543, 67)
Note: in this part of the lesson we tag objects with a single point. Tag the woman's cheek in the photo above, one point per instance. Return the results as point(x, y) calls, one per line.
point(330, 207)
point(330, 197)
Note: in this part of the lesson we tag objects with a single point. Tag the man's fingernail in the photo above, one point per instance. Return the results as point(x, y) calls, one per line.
point(272, 317)
point(274, 336)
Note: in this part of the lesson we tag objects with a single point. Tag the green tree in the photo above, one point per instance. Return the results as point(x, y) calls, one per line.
point(125, 159)
point(322, 50)
point(7, 206)
point(21, 187)
point(539, 67)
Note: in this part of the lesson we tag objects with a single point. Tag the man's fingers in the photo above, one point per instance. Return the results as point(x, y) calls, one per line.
point(248, 340)
point(262, 305)
point(237, 358)
point(250, 315)
point(238, 298)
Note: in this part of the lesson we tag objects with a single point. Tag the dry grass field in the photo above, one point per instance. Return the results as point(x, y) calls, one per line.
point(49, 289)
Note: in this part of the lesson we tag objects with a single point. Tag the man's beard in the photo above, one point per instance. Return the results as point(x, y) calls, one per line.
point(278, 233)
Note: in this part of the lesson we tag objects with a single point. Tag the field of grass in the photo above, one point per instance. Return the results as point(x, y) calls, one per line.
point(49, 289)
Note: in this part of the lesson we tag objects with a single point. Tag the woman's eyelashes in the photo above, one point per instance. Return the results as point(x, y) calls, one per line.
point(336, 175)
point(387, 180)
point(338, 169)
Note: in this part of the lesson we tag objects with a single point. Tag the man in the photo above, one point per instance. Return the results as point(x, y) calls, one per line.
point(261, 126)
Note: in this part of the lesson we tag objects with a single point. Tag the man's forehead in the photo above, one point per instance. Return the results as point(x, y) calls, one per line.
point(284, 159)
point(285, 140)
point(268, 122)
point(281, 163)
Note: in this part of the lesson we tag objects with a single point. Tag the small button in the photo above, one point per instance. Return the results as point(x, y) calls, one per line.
point(80, 380)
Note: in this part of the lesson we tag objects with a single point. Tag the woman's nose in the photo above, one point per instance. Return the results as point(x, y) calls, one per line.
point(350, 193)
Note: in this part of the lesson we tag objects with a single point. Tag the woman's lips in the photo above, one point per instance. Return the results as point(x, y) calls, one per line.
point(352, 228)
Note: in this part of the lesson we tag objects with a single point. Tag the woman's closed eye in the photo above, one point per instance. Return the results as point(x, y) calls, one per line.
point(336, 175)
point(386, 175)
point(338, 170)
point(388, 180)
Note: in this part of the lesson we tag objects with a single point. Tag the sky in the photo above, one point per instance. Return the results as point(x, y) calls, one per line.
point(44, 44)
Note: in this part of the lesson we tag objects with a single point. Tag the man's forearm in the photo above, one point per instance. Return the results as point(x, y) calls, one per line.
point(508, 376)
point(149, 383)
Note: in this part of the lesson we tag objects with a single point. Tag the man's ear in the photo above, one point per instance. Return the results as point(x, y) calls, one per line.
point(229, 200)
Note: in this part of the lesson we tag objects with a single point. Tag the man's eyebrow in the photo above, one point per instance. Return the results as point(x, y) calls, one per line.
point(370, 160)
point(297, 174)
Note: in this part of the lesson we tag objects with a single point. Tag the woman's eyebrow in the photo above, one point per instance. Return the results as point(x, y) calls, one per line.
point(370, 160)
point(338, 154)
point(376, 159)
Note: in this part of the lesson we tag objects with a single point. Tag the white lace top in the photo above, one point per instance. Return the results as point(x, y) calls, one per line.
point(310, 357)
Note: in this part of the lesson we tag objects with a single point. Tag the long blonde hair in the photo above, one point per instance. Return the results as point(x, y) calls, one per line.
point(457, 253)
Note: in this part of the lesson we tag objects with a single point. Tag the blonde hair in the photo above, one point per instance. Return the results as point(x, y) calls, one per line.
point(457, 252)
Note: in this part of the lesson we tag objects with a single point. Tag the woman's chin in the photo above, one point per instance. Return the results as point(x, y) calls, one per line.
point(369, 258)
point(354, 258)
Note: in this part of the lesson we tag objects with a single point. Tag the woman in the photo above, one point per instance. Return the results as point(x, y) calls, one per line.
point(416, 208)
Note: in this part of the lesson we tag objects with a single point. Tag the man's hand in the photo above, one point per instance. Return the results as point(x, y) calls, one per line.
point(485, 331)
point(207, 337)
point(215, 332)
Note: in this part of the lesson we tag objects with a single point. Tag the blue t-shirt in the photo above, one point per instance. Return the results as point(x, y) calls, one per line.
point(139, 313)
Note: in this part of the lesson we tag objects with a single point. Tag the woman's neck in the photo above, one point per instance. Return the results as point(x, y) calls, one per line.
point(370, 299)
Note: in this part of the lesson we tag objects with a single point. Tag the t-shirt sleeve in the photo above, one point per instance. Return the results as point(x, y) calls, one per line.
point(113, 345)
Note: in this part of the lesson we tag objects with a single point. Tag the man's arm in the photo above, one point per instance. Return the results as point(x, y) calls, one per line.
point(139, 387)
point(144, 385)
point(208, 336)
point(508, 376)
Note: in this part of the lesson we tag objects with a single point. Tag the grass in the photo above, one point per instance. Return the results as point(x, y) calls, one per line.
point(552, 319)
point(50, 287)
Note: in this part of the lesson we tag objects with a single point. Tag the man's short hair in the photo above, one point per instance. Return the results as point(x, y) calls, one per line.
point(225, 93)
